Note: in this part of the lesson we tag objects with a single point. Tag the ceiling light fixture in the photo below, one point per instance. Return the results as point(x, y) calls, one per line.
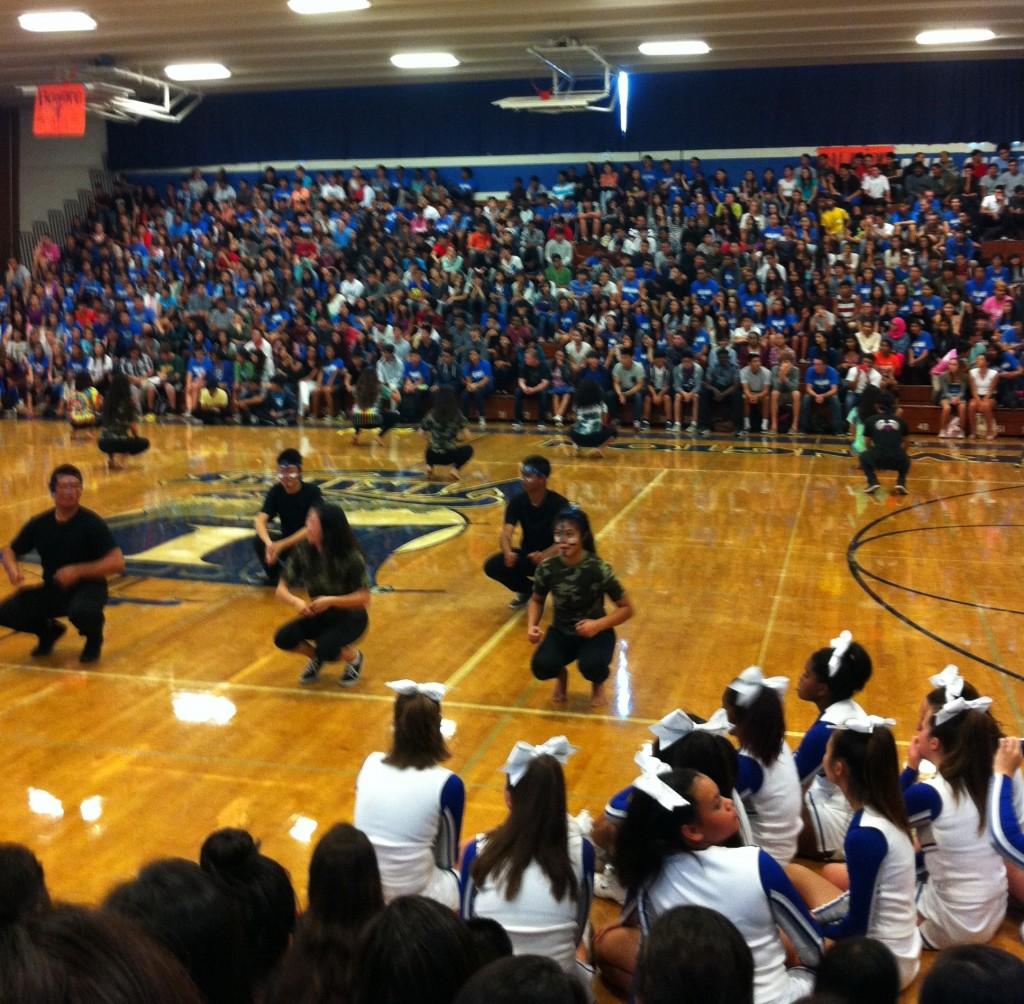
point(56, 20)
point(424, 60)
point(955, 36)
point(327, 6)
point(197, 71)
point(680, 47)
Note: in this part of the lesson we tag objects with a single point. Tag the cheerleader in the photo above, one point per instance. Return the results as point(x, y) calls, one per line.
point(1006, 808)
point(533, 874)
point(872, 895)
point(409, 805)
point(829, 680)
point(963, 899)
point(768, 783)
point(670, 854)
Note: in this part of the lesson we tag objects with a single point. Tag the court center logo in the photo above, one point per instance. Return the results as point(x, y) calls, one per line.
point(207, 534)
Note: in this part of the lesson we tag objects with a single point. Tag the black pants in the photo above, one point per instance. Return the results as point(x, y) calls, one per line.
point(591, 440)
point(731, 406)
point(133, 445)
point(518, 578)
point(450, 458)
point(558, 649)
point(31, 610)
point(329, 632)
point(870, 462)
point(273, 571)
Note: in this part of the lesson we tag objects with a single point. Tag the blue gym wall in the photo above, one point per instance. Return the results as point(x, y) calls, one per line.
point(910, 103)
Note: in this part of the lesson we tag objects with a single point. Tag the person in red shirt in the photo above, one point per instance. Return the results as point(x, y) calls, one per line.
point(889, 364)
point(480, 245)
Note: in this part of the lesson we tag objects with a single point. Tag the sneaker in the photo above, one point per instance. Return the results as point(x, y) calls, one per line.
point(312, 671)
point(764, 424)
point(608, 886)
point(703, 433)
point(482, 422)
point(871, 489)
point(517, 426)
point(518, 601)
point(742, 434)
point(901, 490)
point(352, 670)
point(691, 428)
point(541, 427)
point(670, 426)
point(91, 650)
point(645, 425)
point(558, 419)
point(49, 638)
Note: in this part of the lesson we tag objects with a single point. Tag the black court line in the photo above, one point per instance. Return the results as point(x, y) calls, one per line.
point(860, 575)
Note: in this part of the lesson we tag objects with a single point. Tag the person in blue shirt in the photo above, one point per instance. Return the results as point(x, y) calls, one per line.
point(198, 371)
point(979, 288)
point(921, 353)
point(478, 383)
point(417, 380)
point(279, 405)
point(704, 289)
point(822, 392)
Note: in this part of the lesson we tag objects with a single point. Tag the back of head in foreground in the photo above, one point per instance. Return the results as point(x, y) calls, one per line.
point(859, 971)
point(974, 974)
point(521, 978)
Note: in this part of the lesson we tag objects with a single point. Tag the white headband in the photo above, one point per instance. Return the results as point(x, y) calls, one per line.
point(839, 647)
point(863, 723)
point(749, 684)
point(957, 706)
point(523, 754)
point(677, 724)
point(950, 680)
point(435, 691)
point(650, 782)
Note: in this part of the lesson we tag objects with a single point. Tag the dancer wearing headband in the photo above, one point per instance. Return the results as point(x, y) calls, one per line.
point(872, 895)
point(1005, 814)
point(829, 680)
point(580, 631)
point(534, 509)
point(963, 900)
point(670, 854)
point(410, 806)
point(534, 873)
point(329, 566)
point(768, 782)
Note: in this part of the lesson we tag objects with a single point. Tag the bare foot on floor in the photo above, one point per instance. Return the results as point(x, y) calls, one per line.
point(560, 691)
point(597, 697)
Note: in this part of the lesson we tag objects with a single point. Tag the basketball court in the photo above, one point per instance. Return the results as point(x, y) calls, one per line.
point(735, 552)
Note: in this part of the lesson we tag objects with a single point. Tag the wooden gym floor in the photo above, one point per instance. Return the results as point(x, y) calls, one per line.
point(735, 552)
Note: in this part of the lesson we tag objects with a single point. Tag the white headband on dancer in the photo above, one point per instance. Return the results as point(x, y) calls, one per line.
point(950, 680)
point(839, 647)
point(749, 684)
point(435, 691)
point(864, 723)
point(957, 706)
point(524, 753)
point(677, 724)
point(650, 782)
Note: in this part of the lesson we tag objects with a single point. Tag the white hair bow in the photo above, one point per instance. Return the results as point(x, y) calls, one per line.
point(958, 705)
point(950, 680)
point(752, 681)
point(524, 753)
point(839, 648)
point(435, 691)
point(864, 723)
point(650, 782)
point(677, 724)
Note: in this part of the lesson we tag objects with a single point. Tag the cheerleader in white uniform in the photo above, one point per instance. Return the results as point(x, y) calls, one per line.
point(409, 805)
point(670, 854)
point(830, 679)
point(534, 874)
point(872, 895)
point(1006, 805)
point(767, 781)
point(963, 899)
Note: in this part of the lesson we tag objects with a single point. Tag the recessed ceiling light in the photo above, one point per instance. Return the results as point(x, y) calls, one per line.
point(423, 60)
point(955, 36)
point(57, 20)
point(327, 6)
point(197, 71)
point(681, 47)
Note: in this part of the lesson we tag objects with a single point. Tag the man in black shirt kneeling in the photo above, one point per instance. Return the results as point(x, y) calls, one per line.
point(290, 501)
point(77, 553)
point(886, 430)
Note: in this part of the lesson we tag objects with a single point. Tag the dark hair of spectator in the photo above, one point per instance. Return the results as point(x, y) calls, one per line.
point(859, 969)
point(22, 884)
point(289, 458)
point(974, 974)
point(522, 978)
point(491, 939)
point(695, 954)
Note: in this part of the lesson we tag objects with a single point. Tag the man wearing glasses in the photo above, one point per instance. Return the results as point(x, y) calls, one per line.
point(289, 501)
point(77, 553)
point(534, 509)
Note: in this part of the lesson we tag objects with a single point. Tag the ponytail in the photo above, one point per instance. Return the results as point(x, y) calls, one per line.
point(873, 771)
point(761, 726)
point(417, 740)
point(969, 742)
point(651, 834)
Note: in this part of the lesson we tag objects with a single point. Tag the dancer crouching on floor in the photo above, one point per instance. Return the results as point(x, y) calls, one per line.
point(580, 632)
point(330, 567)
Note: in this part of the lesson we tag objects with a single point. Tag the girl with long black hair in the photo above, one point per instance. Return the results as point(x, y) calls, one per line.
point(581, 631)
point(120, 431)
point(329, 566)
point(445, 424)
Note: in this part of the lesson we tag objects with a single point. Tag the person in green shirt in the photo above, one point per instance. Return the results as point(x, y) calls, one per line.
point(581, 631)
point(445, 424)
point(865, 408)
point(330, 568)
point(558, 273)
